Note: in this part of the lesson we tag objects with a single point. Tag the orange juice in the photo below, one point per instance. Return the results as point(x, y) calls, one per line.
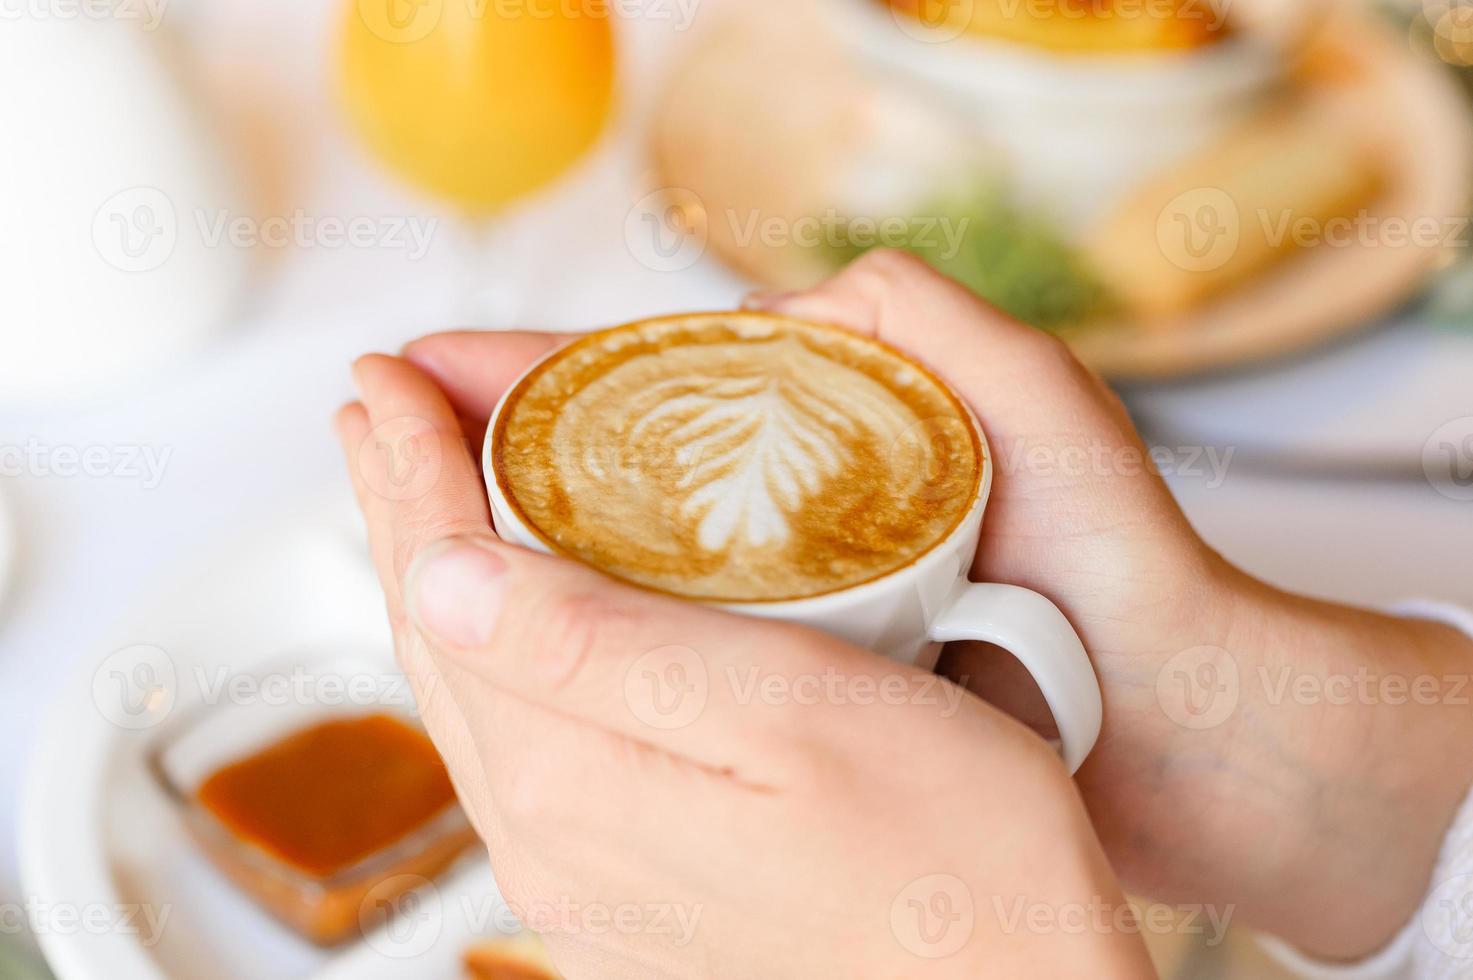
point(478, 101)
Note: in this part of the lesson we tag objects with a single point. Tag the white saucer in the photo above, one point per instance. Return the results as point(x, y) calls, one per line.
point(97, 832)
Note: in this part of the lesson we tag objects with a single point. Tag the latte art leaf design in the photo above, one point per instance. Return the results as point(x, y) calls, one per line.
point(735, 457)
point(752, 450)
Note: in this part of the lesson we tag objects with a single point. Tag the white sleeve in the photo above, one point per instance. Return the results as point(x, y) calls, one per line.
point(1438, 943)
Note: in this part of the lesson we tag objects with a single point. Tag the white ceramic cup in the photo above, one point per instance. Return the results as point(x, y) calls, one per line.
point(909, 613)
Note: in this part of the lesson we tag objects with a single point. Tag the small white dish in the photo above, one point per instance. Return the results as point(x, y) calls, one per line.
point(97, 833)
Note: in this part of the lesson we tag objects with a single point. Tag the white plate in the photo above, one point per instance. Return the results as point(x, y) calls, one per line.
point(1368, 407)
point(99, 837)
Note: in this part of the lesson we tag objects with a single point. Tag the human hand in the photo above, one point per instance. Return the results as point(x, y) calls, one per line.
point(660, 791)
point(1283, 807)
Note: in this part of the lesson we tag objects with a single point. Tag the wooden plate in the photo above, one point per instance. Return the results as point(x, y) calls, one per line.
point(775, 123)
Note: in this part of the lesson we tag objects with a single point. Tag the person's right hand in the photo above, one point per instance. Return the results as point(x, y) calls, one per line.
point(1320, 821)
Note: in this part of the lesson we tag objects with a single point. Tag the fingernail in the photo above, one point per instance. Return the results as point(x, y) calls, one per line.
point(412, 351)
point(356, 371)
point(455, 592)
point(353, 373)
point(761, 299)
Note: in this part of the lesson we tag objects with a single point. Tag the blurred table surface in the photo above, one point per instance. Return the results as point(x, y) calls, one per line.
point(245, 421)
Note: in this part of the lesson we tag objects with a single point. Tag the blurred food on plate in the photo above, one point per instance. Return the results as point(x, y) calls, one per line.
point(1441, 32)
point(326, 822)
point(1172, 186)
point(1297, 161)
point(1080, 25)
point(522, 957)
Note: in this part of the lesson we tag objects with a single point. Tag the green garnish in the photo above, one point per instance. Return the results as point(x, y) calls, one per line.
point(1017, 261)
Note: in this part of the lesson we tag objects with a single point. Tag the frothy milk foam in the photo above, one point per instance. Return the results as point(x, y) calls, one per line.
point(736, 457)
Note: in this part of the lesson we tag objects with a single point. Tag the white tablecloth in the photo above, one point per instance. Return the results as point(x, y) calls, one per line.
point(244, 422)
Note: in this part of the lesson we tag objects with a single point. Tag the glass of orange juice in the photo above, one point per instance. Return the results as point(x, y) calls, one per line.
point(478, 102)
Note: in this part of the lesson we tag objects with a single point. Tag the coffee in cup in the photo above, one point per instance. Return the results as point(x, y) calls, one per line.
point(736, 457)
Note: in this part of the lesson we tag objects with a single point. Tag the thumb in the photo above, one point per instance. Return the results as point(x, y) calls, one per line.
point(668, 672)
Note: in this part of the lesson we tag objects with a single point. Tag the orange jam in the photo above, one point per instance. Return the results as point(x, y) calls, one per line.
point(327, 797)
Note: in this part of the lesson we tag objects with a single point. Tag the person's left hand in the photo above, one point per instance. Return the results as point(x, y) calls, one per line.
point(669, 790)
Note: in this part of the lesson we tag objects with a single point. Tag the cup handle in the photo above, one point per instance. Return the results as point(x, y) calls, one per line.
point(1034, 630)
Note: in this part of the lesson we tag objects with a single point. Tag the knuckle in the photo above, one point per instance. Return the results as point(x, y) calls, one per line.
point(890, 267)
point(1050, 346)
point(903, 284)
point(1059, 357)
point(425, 531)
point(574, 630)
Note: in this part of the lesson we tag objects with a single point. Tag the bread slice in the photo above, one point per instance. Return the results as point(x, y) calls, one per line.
point(1287, 180)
